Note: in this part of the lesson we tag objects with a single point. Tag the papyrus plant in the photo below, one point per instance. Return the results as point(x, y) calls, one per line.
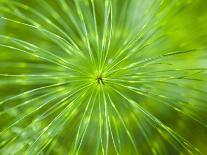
point(103, 77)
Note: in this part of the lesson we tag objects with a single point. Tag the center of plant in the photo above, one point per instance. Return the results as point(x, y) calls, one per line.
point(99, 80)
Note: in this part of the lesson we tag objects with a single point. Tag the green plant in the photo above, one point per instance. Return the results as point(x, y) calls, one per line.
point(103, 77)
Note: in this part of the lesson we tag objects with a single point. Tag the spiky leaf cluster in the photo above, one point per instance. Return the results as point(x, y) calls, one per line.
point(103, 77)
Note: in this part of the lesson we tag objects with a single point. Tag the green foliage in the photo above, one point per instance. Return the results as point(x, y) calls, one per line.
point(103, 77)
